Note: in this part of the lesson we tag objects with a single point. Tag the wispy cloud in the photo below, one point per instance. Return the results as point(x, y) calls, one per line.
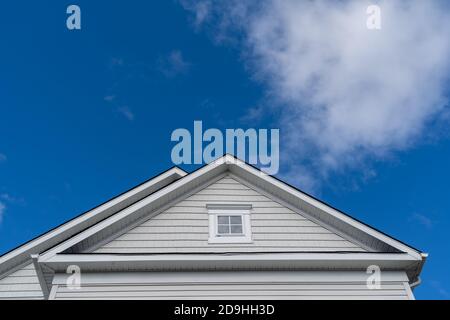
point(346, 95)
point(124, 71)
point(422, 220)
point(109, 98)
point(201, 10)
point(3, 157)
point(253, 114)
point(173, 64)
point(440, 289)
point(126, 112)
point(115, 61)
point(6, 200)
point(6, 197)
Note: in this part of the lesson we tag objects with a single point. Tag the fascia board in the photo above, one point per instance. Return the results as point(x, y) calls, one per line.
point(314, 261)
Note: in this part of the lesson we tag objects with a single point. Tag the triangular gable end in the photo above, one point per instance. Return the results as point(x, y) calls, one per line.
point(184, 227)
point(107, 230)
point(197, 180)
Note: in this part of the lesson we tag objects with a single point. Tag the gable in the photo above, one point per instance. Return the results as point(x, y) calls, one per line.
point(286, 195)
point(291, 230)
point(338, 232)
point(183, 227)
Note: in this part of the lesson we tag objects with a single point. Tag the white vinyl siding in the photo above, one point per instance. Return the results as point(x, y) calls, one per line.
point(21, 284)
point(184, 227)
point(234, 285)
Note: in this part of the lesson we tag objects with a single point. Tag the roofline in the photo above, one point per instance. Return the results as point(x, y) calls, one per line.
point(166, 174)
point(225, 159)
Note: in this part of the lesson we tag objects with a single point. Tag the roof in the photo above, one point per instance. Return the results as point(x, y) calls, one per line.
point(103, 221)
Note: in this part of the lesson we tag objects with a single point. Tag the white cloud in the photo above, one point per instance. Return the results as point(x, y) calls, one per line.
point(113, 62)
point(2, 211)
point(346, 94)
point(126, 112)
point(201, 10)
point(109, 98)
point(253, 114)
point(423, 220)
point(173, 64)
point(12, 199)
point(440, 289)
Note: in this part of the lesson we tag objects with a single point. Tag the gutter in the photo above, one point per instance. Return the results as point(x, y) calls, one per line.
point(416, 281)
point(415, 284)
point(278, 261)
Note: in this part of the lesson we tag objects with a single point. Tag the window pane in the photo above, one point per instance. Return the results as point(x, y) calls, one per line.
point(236, 229)
point(223, 219)
point(223, 229)
point(236, 219)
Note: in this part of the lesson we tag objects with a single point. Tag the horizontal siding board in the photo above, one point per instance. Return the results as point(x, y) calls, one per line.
point(235, 277)
point(203, 228)
point(21, 295)
point(230, 193)
point(232, 198)
point(222, 249)
point(266, 285)
point(180, 208)
point(19, 280)
point(284, 223)
point(268, 298)
point(255, 204)
point(220, 186)
point(233, 287)
point(220, 293)
point(268, 228)
point(24, 272)
point(21, 284)
point(158, 223)
point(227, 180)
point(150, 230)
point(260, 243)
point(299, 237)
point(204, 216)
point(20, 287)
point(202, 235)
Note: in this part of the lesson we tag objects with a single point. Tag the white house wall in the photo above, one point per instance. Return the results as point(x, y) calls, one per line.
point(184, 227)
point(234, 285)
point(21, 284)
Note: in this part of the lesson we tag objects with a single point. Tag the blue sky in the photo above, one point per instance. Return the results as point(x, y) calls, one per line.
point(85, 115)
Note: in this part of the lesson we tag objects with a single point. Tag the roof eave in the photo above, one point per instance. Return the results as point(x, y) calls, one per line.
point(232, 261)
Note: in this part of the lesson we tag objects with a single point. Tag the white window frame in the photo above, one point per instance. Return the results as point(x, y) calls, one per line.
point(215, 210)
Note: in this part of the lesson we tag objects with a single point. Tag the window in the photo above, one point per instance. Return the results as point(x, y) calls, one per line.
point(229, 223)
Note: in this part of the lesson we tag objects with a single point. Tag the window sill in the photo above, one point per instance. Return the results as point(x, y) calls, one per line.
point(229, 240)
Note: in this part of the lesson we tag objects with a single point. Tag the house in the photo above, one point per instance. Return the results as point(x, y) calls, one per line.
point(224, 231)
